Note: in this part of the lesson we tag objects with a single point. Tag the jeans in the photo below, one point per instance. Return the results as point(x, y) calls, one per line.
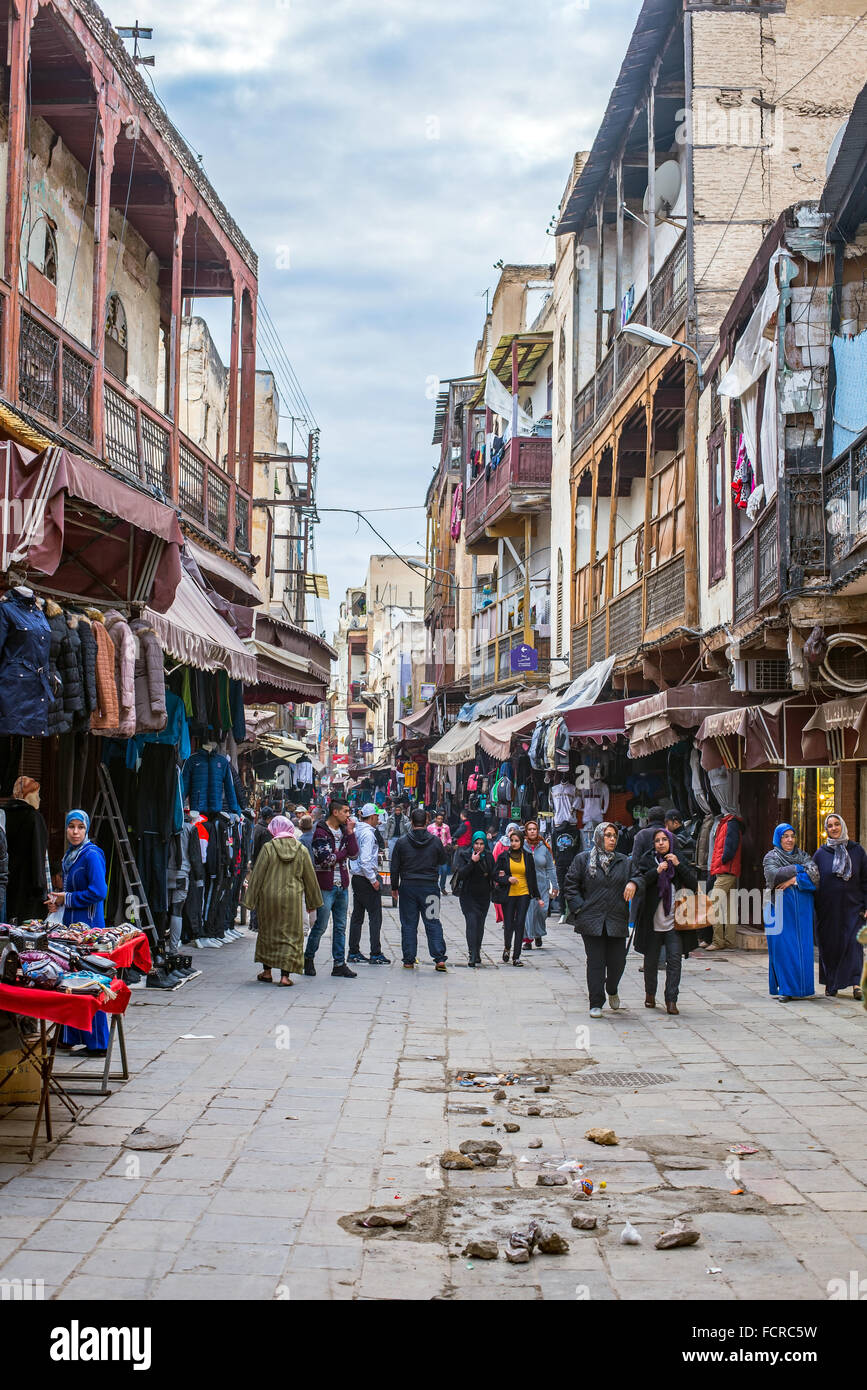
point(444, 876)
point(673, 963)
point(334, 901)
point(365, 898)
point(606, 958)
point(417, 899)
point(475, 911)
point(514, 917)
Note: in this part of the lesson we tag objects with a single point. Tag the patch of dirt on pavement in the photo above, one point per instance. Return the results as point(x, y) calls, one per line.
point(426, 1219)
point(547, 1107)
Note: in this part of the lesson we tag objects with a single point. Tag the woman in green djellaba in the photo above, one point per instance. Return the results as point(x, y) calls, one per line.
point(281, 883)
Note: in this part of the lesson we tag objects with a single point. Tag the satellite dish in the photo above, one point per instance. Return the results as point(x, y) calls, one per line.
point(835, 148)
point(666, 187)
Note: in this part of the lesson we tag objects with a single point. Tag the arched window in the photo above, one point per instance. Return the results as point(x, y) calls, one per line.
point(116, 337)
point(559, 651)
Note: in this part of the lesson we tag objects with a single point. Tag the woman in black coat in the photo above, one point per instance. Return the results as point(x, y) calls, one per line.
point(663, 873)
point(515, 886)
point(472, 880)
point(841, 907)
point(599, 889)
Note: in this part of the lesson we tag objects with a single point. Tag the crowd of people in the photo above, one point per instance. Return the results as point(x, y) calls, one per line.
point(634, 889)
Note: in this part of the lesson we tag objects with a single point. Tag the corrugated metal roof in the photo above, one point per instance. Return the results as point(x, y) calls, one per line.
point(845, 193)
point(651, 30)
point(531, 349)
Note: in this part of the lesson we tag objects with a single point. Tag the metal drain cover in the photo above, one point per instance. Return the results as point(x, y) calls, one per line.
point(627, 1079)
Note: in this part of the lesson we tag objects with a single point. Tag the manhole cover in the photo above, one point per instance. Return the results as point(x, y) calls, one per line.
point(626, 1079)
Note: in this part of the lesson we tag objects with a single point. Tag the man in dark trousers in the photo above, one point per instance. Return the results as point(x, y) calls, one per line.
point(415, 866)
point(566, 844)
point(366, 890)
point(333, 845)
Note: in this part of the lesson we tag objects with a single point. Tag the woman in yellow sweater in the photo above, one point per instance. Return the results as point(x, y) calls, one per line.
point(515, 886)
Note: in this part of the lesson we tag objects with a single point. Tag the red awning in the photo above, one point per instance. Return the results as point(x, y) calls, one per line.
point(596, 722)
point(88, 532)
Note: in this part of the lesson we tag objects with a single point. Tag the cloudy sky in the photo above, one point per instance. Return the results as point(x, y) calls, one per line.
point(381, 155)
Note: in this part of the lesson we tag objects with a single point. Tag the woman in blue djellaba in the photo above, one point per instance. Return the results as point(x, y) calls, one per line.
point(82, 899)
point(792, 879)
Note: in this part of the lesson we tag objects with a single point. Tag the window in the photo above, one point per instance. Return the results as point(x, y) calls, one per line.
point(116, 337)
point(42, 265)
point(549, 388)
point(716, 506)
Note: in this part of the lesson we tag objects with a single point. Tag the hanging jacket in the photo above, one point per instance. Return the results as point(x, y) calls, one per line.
point(124, 670)
point(727, 847)
point(150, 683)
point(87, 643)
point(208, 784)
point(106, 715)
point(25, 690)
point(59, 721)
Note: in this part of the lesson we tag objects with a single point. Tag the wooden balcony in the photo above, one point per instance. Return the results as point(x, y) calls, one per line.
point(621, 365)
point(56, 386)
point(521, 483)
point(844, 488)
point(640, 613)
point(491, 666)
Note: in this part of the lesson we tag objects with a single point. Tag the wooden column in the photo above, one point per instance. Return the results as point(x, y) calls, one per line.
point(247, 409)
point(618, 272)
point(181, 213)
point(690, 519)
point(648, 501)
point(18, 55)
point(234, 360)
point(600, 281)
point(104, 165)
point(651, 195)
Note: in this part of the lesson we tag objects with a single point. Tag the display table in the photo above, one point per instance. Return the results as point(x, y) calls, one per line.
point(135, 952)
point(54, 1008)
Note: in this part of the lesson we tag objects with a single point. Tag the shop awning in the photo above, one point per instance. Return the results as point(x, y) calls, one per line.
point(283, 677)
point(194, 633)
point(837, 726)
point(660, 721)
point(421, 722)
point(457, 745)
point(596, 722)
point(226, 578)
point(759, 726)
point(87, 531)
point(496, 736)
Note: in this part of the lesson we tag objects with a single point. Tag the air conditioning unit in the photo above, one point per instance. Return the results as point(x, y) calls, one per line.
point(762, 675)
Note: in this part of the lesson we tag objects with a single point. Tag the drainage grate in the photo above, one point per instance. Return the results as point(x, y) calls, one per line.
point(630, 1079)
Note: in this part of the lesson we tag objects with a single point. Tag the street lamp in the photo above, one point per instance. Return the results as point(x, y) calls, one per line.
point(640, 333)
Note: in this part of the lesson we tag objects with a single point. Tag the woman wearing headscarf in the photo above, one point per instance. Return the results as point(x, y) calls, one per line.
point(472, 880)
point(546, 878)
point(662, 873)
point(841, 907)
point(792, 878)
point(280, 885)
point(598, 889)
point(515, 887)
point(501, 846)
point(82, 899)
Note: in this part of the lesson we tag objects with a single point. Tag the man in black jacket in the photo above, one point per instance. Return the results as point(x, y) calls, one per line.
point(415, 865)
point(644, 838)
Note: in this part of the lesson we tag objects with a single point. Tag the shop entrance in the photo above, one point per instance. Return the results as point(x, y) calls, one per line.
point(814, 796)
point(761, 810)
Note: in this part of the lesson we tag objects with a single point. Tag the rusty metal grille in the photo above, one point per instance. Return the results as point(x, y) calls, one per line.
point(121, 434)
point(769, 558)
point(666, 593)
point(625, 623)
point(37, 367)
point(191, 484)
point(157, 459)
point(625, 1080)
point(242, 522)
point(77, 395)
point(218, 505)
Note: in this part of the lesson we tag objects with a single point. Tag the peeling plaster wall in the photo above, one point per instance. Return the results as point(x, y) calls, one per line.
point(204, 390)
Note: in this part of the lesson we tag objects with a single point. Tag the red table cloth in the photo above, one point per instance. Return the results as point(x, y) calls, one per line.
point(74, 1010)
point(135, 952)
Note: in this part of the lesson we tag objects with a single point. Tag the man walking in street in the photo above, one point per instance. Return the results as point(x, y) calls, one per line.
point(398, 824)
point(333, 845)
point(444, 835)
point(366, 891)
point(415, 865)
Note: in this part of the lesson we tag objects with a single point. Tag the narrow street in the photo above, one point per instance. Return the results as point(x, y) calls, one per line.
point(283, 1116)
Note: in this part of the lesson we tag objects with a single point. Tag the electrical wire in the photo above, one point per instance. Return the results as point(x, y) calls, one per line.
point(263, 310)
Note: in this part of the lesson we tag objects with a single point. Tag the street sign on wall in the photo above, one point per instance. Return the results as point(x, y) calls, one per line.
point(525, 658)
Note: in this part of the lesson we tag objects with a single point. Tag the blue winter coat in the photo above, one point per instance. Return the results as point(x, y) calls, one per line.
point(25, 643)
point(85, 888)
point(208, 783)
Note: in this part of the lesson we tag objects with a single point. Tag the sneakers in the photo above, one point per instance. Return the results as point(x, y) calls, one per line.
point(344, 972)
point(519, 963)
point(528, 943)
point(614, 1001)
point(596, 1013)
point(377, 960)
point(356, 958)
point(505, 958)
point(441, 966)
point(538, 943)
point(562, 921)
point(309, 967)
point(409, 965)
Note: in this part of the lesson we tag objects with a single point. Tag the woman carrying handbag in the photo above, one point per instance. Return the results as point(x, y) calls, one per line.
point(661, 915)
point(515, 887)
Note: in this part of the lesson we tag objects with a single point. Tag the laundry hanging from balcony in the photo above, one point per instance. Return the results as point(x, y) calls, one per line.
point(499, 400)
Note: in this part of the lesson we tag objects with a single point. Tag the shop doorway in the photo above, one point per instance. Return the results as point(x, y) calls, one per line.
point(814, 796)
point(761, 809)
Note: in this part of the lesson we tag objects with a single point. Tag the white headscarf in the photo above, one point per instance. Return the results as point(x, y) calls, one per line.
point(842, 863)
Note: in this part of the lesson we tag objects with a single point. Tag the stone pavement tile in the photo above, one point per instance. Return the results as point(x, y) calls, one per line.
point(203, 1170)
point(91, 1288)
point(8, 1244)
point(52, 1266)
point(57, 1234)
point(225, 1228)
point(163, 1206)
point(17, 1226)
point(732, 1227)
point(707, 1289)
point(59, 1168)
point(409, 1270)
point(326, 1285)
point(213, 1257)
point(132, 1234)
point(128, 1264)
point(24, 1209)
point(32, 1186)
point(106, 1212)
point(110, 1190)
point(561, 1285)
point(711, 1177)
point(208, 1288)
point(136, 1163)
point(320, 1256)
point(283, 1205)
point(823, 1180)
point(840, 1201)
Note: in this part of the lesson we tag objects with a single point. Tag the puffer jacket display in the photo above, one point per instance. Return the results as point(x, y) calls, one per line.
point(208, 784)
point(124, 669)
point(106, 714)
point(25, 642)
point(66, 670)
point(150, 684)
point(87, 642)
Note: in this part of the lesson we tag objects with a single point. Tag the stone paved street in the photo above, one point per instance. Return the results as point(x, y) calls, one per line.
point(282, 1138)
